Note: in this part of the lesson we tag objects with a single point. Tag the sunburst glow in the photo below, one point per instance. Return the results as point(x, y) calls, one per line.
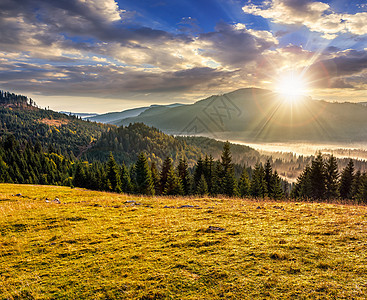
point(291, 86)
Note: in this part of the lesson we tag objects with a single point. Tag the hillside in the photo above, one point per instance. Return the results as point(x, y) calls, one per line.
point(22, 118)
point(101, 245)
point(126, 142)
point(254, 115)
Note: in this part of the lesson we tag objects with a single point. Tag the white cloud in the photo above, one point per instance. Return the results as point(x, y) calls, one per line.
point(317, 16)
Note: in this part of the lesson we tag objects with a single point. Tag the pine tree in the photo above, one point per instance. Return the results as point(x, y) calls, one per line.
point(332, 175)
point(126, 186)
point(199, 170)
point(113, 174)
point(183, 173)
point(362, 193)
point(258, 184)
point(244, 184)
point(155, 178)
point(144, 181)
point(173, 185)
point(167, 165)
point(268, 178)
point(356, 184)
point(318, 179)
point(276, 187)
point(346, 181)
point(202, 187)
point(303, 188)
point(79, 176)
point(217, 179)
point(229, 181)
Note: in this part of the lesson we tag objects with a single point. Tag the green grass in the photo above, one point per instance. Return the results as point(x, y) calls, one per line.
point(96, 245)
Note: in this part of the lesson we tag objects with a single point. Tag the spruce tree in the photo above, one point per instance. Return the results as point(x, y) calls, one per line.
point(346, 181)
point(144, 181)
point(318, 178)
point(126, 186)
point(173, 184)
point(356, 184)
point(113, 174)
point(268, 177)
point(332, 175)
point(184, 174)
point(155, 178)
point(202, 187)
point(79, 176)
point(167, 165)
point(276, 187)
point(258, 185)
point(244, 184)
point(362, 193)
point(229, 181)
point(198, 171)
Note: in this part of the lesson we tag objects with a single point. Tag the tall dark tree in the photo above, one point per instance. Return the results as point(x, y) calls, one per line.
point(198, 171)
point(173, 184)
point(167, 165)
point(244, 184)
point(357, 182)
point(184, 174)
point(79, 178)
point(155, 177)
point(318, 178)
point(268, 177)
point(113, 175)
point(126, 186)
point(202, 187)
point(258, 184)
point(229, 181)
point(276, 187)
point(144, 181)
point(303, 187)
point(331, 176)
point(346, 181)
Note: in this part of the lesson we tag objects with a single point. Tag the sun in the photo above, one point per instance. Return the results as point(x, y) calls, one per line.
point(291, 86)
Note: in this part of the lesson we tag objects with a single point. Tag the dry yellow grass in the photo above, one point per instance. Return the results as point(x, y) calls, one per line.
point(97, 245)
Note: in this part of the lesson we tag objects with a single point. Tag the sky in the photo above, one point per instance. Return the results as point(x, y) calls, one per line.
point(106, 55)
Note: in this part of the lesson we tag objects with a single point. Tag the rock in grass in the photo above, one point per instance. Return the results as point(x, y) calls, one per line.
point(214, 228)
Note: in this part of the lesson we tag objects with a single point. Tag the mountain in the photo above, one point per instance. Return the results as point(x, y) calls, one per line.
point(116, 117)
point(256, 115)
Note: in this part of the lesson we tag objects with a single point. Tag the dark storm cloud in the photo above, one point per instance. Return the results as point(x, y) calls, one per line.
point(234, 46)
point(104, 80)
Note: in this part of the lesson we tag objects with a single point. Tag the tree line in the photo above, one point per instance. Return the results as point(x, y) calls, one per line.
point(323, 181)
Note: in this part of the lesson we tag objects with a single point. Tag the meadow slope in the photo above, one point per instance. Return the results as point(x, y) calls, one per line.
point(96, 245)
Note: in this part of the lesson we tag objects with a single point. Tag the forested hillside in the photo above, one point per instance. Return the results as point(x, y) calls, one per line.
point(20, 117)
point(126, 143)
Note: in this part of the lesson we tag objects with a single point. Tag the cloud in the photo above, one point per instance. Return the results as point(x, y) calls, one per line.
point(234, 44)
point(317, 16)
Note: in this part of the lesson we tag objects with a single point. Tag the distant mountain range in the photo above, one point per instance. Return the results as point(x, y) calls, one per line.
point(256, 115)
point(115, 117)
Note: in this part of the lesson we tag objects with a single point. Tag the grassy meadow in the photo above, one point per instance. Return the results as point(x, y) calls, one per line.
point(96, 245)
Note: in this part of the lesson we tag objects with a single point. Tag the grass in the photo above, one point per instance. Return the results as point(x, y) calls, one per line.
point(97, 245)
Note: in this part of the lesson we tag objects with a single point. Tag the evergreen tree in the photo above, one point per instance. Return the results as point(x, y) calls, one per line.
point(144, 181)
point(362, 193)
point(113, 174)
point(317, 178)
point(229, 182)
point(155, 178)
point(217, 179)
point(244, 184)
point(346, 181)
point(79, 176)
point(202, 187)
point(126, 186)
point(331, 175)
point(268, 178)
point(276, 187)
point(173, 185)
point(356, 184)
point(258, 183)
point(199, 170)
point(303, 188)
point(167, 165)
point(183, 173)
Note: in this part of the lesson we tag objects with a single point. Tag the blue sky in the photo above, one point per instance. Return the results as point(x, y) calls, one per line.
point(107, 55)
